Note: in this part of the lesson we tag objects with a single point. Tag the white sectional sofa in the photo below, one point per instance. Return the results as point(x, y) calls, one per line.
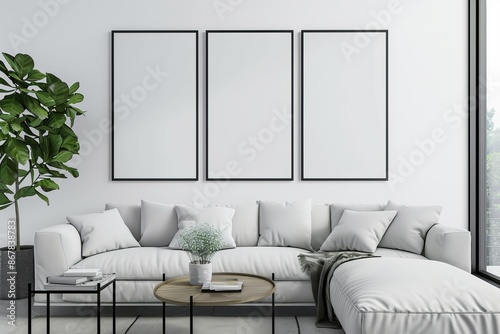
point(428, 289)
point(59, 247)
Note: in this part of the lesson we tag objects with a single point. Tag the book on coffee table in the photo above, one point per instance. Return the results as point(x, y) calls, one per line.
point(83, 272)
point(221, 286)
point(87, 285)
point(69, 280)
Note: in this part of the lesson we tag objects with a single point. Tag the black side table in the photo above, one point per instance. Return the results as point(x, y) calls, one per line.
point(97, 292)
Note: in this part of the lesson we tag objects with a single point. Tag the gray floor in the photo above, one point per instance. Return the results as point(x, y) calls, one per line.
point(218, 320)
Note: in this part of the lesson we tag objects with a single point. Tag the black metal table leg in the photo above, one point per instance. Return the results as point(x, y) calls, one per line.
point(99, 308)
point(29, 308)
point(114, 306)
point(163, 321)
point(191, 314)
point(48, 312)
point(273, 308)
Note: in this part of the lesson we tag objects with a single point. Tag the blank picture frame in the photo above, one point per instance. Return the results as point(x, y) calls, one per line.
point(155, 105)
point(344, 114)
point(249, 105)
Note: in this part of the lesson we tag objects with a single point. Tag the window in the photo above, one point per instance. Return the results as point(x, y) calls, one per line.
point(485, 137)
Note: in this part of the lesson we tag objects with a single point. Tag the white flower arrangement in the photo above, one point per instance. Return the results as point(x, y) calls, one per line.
point(201, 242)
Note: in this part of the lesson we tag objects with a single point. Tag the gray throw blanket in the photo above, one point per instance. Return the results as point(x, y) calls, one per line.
point(320, 267)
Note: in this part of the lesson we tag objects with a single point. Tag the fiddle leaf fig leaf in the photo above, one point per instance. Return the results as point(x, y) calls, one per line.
point(76, 98)
point(4, 189)
point(63, 156)
point(17, 150)
point(4, 127)
point(3, 68)
point(43, 197)
point(24, 64)
point(71, 144)
point(36, 122)
point(74, 87)
point(10, 60)
point(47, 185)
point(11, 105)
point(35, 75)
point(16, 127)
point(55, 142)
point(4, 199)
point(71, 170)
point(45, 99)
point(34, 107)
point(59, 91)
point(25, 192)
point(51, 78)
point(8, 171)
point(56, 120)
point(3, 82)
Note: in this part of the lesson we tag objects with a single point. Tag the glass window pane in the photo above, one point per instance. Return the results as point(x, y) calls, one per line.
point(492, 228)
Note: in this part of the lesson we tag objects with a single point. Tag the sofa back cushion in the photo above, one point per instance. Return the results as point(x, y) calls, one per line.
point(131, 215)
point(337, 210)
point(246, 224)
point(216, 216)
point(246, 220)
point(359, 231)
point(408, 230)
point(158, 224)
point(320, 224)
point(285, 223)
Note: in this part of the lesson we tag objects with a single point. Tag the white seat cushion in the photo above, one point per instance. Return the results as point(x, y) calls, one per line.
point(392, 295)
point(152, 262)
point(263, 261)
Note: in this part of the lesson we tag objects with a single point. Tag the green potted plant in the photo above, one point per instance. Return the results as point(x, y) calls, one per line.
point(37, 113)
point(201, 242)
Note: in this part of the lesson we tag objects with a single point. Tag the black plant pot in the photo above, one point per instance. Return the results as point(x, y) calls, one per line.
point(16, 272)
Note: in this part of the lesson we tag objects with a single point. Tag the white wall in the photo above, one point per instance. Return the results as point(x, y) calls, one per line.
point(428, 89)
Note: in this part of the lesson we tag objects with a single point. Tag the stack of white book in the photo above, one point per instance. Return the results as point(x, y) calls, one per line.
point(80, 279)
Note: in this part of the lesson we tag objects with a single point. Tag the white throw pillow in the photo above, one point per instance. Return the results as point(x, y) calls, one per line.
point(131, 214)
point(245, 223)
point(409, 229)
point(359, 231)
point(337, 210)
point(216, 216)
point(285, 223)
point(158, 224)
point(102, 232)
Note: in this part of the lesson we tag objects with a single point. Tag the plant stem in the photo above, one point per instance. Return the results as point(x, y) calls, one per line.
point(18, 233)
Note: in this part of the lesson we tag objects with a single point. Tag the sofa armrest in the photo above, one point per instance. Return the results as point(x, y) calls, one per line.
point(449, 244)
point(57, 248)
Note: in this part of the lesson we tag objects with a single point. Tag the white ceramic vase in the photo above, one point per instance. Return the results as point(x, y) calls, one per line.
point(199, 273)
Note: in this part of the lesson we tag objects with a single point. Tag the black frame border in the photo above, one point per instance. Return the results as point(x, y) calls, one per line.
point(113, 32)
point(302, 174)
point(207, 156)
point(477, 140)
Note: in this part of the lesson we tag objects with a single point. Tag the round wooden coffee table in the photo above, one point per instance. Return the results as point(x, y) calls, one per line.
point(178, 291)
